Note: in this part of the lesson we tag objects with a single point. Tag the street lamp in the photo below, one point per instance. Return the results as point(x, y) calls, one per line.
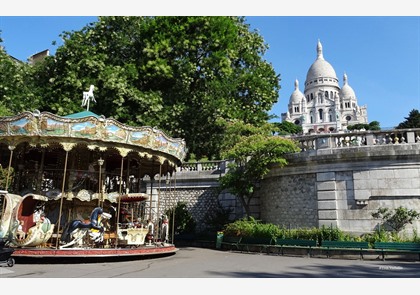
point(100, 163)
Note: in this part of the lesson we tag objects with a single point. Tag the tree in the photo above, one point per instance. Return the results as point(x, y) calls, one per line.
point(396, 219)
point(288, 128)
point(178, 73)
point(253, 151)
point(374, 125)
point(412, 121)
point(16, 85)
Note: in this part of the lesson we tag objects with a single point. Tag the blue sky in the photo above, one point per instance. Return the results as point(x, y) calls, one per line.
point(379, 54)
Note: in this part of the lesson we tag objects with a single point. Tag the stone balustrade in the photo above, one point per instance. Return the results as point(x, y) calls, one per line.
point(357, 138)
point(323, 141)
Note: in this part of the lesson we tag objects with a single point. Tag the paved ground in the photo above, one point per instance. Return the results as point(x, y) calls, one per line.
point(190, 262)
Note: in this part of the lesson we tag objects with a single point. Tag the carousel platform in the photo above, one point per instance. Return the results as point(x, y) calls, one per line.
point(69, 254)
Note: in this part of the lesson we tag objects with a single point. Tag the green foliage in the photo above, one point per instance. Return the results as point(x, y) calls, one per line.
point(382, 235)
point(17, 92)
point(253, 151)
point(179, 73)
point(396, 219)
point(3, 176)
point(374, 125)
point(251, 227)
point(285, 128)
point(412, 121)
point(183, 220)
point(248, 227)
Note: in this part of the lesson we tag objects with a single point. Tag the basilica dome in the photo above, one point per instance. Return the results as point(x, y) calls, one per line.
point(320, 68)
point(297, 95)
point(346, 91)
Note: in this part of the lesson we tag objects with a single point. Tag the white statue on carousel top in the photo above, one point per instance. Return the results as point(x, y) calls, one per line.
point(87, 96)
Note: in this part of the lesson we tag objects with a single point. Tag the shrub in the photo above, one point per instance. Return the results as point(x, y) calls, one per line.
point(395, 220)
point(184, 222)
point(251, 227)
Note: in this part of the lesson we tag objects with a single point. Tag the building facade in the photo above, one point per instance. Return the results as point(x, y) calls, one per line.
point(324, 106)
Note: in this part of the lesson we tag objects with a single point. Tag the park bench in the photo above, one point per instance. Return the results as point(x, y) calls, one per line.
point(348, 245)
point(261, 243)
point(397, 247)
point(294, 243)
point(231, 242)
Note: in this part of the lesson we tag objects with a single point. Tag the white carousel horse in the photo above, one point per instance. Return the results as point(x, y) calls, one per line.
point(76, 230)
point(87, 96)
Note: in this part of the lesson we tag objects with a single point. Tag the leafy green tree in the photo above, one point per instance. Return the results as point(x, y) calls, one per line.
point(412, 121)
point(16, 85)
point(285, 128)
point(396, 219)
point(374, 125)
point(178, 73)
point(253, 151)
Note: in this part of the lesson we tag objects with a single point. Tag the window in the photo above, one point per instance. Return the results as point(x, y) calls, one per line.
point(330, 116)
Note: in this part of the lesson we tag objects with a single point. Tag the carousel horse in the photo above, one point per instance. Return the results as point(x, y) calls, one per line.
point(87, 96)
point(76, 230)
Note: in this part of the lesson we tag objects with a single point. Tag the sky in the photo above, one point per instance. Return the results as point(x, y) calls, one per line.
point(379, 52)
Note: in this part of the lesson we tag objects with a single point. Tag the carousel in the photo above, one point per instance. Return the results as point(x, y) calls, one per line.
point(84, 185)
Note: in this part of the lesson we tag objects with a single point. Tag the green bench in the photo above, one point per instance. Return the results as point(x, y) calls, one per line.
point(397, 247)
point(262, 243)
point(231, 242)
point(348, 245)
point(295, 243)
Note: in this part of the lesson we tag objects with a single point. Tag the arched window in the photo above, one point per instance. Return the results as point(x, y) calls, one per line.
point(321, 113)
point(330, 116)
point(326, 94)
point(312, 96)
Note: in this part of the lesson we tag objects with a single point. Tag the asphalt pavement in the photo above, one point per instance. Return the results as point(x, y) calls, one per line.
point(204, 263)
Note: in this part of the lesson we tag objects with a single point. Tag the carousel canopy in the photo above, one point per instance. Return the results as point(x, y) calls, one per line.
point(82, 115)
point(96, 132)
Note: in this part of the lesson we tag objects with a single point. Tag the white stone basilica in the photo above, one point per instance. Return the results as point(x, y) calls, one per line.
point(324, 107)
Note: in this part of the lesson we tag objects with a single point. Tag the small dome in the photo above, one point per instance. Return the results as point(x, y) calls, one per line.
point(346, 91)
point(320, 68)
point(297, 95)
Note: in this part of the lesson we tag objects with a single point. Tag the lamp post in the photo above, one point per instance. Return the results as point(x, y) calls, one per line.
point(100, 163)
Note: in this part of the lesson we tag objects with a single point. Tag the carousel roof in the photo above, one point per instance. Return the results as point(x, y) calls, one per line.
point(94, 131)
point(83, 114)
